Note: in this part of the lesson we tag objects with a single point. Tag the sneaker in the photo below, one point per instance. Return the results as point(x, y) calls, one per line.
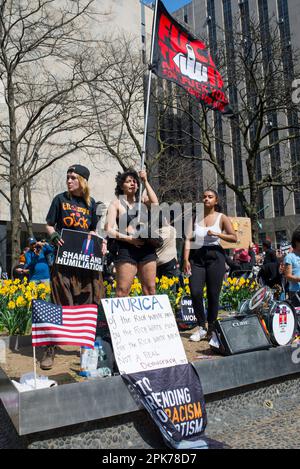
point(48, 358)
point(210, 331)
point(200, 334)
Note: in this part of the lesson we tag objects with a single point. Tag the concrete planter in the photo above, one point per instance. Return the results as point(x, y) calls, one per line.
point(13, 342)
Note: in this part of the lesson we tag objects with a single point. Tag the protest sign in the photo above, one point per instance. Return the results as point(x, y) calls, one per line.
point(174, 399)
point(81, 250)
point(185, 315)
point(242, 228)
point(144, 333)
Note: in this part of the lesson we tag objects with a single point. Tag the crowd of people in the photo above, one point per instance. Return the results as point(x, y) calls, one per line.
point(127, 255)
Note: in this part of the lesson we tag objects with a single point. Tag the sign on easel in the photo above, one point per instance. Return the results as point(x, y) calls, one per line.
point(144, 333)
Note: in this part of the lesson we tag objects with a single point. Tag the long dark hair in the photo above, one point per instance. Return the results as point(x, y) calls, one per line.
point(218, 207)
point(121, 178)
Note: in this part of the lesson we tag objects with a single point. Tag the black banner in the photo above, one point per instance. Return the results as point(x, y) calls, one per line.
point(182, 58)
point(174, 399)
point(81, 250)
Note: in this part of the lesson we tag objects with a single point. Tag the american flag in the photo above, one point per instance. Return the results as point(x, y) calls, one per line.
point(63, 325)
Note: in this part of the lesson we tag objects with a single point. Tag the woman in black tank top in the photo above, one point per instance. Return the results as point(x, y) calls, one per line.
point(133, 256)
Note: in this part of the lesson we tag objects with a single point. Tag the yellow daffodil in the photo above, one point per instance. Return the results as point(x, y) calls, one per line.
point(20, 302)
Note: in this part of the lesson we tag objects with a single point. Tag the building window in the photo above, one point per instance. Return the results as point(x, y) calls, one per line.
point(288, 68)
point(233, 98)
point(266, 40)
point(185, 14)
point(212, 29)
point(281, 236)
point(261, 238)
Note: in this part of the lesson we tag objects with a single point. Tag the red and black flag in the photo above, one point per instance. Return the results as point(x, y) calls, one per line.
point(185, 60)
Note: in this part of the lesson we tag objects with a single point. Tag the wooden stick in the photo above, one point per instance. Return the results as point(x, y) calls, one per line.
point(34, 367)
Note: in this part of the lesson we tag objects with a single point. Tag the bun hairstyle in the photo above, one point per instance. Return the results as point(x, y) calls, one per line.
point(218, 207)
point(121, 178)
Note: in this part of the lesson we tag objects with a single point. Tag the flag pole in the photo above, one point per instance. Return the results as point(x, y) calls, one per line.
point(147, 110)
point(34, 367)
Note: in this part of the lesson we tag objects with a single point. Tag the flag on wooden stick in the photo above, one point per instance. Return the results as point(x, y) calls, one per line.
point(63, 325)
point(183, 59)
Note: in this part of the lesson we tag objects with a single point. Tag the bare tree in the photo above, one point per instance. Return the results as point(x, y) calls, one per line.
point(117, 104)
point(265, 124)
point(43, 50)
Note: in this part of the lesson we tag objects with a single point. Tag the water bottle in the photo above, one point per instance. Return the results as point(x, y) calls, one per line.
point(89, 359)
point(101, 357)
point(103, 370)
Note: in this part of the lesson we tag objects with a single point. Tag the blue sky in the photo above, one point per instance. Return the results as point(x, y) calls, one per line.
point(173, 5)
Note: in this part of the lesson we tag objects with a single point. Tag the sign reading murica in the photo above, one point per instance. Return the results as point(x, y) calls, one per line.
point(81, 250)
point(144, 333)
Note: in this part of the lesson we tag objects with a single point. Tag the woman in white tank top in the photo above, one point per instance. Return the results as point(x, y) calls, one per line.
point(204, 261)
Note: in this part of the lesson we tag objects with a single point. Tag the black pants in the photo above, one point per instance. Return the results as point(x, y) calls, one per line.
point(208, 268)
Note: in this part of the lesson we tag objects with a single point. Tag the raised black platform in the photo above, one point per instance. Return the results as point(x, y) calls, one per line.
point(72, 404)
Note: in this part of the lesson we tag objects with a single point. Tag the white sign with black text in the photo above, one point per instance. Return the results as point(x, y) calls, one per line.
point(144, 333)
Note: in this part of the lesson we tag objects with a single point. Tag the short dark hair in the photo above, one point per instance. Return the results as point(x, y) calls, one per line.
point(121, 178)
point(295, 238)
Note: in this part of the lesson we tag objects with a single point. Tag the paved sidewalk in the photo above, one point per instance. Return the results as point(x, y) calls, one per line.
point(264, 422)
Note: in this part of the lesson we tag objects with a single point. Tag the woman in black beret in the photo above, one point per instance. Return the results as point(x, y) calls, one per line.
point(73, 209)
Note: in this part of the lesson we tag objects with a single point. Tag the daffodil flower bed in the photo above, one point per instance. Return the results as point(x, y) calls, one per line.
point(235, 290)
point(164, 286)
point(15, 304)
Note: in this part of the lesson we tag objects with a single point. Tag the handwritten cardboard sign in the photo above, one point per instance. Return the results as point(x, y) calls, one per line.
point(144, 333)
point(242, 227)
point(80, 250)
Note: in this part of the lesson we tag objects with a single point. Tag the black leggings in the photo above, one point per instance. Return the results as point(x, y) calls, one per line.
point(208, 267)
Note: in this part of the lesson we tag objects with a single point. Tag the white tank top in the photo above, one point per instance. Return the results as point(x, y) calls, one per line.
point(201, 236)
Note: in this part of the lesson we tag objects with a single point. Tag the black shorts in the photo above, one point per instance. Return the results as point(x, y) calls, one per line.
point(133, 255)
point(169, 269)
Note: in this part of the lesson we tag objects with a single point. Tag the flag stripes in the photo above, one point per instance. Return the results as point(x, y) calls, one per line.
point(63, 325)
